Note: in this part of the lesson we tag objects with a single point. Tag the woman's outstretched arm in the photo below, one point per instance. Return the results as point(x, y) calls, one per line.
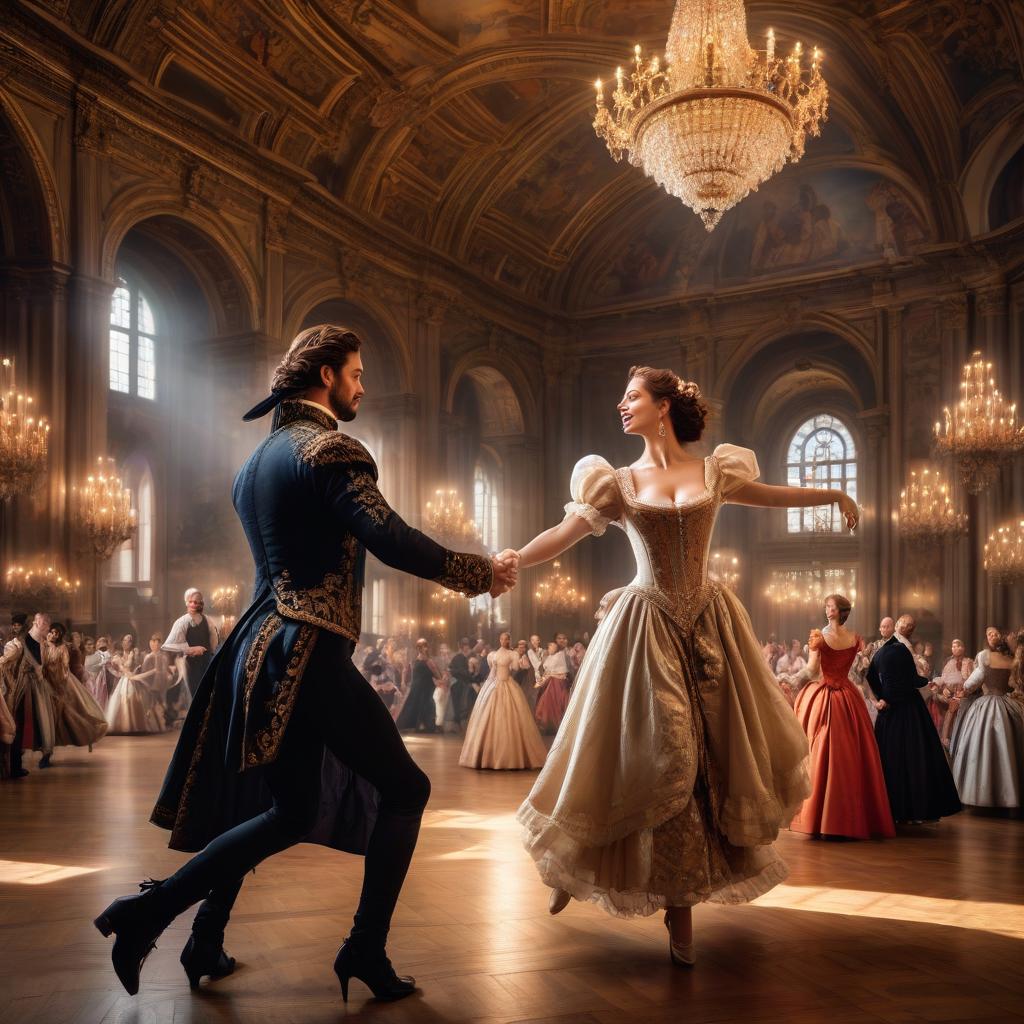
point(779, 496)
point(552, 542)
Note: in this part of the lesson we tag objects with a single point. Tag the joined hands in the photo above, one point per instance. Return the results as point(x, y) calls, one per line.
point(505, 568)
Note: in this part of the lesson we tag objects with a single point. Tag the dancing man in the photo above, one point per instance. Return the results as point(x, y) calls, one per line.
point(282, 703)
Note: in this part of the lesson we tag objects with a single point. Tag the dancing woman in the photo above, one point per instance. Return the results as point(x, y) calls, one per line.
point(678, 758)
point(848, 796)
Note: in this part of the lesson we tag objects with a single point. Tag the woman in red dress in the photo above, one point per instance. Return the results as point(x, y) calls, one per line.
point(848, 796)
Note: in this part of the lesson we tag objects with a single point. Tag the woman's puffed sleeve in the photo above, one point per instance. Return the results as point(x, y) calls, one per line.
point(738, 466)
point(595, 494)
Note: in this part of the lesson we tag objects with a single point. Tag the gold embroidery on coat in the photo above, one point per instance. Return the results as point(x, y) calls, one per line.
point(255, 656)
point(468, 574)
point(334, 604)
point(363, 487)
point(263, 747)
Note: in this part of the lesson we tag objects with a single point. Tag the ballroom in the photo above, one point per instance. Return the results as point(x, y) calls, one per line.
point(512, 214)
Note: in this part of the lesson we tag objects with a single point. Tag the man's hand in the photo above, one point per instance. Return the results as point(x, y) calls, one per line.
point(506, 575)
point(194, 652)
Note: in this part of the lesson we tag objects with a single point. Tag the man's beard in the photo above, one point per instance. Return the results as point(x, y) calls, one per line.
point(343, 410)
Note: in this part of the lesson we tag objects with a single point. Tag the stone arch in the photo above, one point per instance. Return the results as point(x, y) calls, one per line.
point(503, 384)
point(32, 222)
point(853, 358)
point(984, 167)
point(323, 303)
point(220, 265)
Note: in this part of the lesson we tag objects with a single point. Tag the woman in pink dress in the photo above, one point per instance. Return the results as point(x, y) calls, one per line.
point(848, 796)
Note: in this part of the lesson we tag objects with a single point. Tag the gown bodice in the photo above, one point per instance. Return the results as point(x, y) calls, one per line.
point(995, 681)
point(671, 544)
point(502, 663)
point(835, 664)
point(671, 541)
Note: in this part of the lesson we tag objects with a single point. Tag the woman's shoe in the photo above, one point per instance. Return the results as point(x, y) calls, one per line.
point(558, 901)
point(137, 922)
point(374, 970)
point(204, 957)
point(44, 761)
point(681, 955)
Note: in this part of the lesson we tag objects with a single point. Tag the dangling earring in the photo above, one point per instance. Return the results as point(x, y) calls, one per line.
point(661, 428)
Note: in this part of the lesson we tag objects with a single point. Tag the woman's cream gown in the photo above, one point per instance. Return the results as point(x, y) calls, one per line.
point(678, 758)
point(501, 732)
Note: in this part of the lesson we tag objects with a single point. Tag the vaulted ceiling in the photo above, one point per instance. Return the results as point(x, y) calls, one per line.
point(466, 124)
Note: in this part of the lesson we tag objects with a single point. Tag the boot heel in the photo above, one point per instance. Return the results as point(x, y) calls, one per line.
point(344, 988)
point(103, 924)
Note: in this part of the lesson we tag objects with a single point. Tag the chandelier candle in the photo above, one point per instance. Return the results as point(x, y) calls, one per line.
point(720, 117)
point(981, 430)
point(103, 509)
point(1004, 554)
point(24, 438)
point(927, 512)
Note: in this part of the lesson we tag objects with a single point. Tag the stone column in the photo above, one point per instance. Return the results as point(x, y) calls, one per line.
point(962, 560)
point(875, 589)
point(996, 502)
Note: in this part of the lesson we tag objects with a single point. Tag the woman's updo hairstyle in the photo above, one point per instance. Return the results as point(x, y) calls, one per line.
point(843, 606)
point(686, 408)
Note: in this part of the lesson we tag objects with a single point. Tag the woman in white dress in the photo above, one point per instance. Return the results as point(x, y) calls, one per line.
point(678, 759)
point(129, 709)
point(988, 739)
point(501, 732)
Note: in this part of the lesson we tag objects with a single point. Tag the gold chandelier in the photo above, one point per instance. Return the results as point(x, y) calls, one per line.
point(719, 118)
point(224, 600)
point(555, 595)
point(445, 516)
point(24, 438)
point(927, 511)
point(724, 568)
point(443, 596)
point(44, 586)
point(1004, 553)
point(102, 509)
point(981, 430)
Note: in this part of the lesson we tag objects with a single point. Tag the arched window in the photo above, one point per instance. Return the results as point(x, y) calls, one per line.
point(821, 454)
point(485, 514)
point(132, 342)
point(133, 560)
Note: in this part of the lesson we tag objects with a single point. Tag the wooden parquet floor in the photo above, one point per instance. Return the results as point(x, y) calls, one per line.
point(926, 927)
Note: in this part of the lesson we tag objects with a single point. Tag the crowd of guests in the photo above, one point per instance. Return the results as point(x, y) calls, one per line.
point(61, 688)
point(972, 709)
point(437, 691)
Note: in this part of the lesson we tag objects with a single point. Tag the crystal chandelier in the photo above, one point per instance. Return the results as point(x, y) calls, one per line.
point(556, 595)
point(809, 587)
point(24, 438)
point(43, 586)
point(927, 511)
point(102, 509)
point(718, 118)
point(724, 568)
point(446, 517)
point(981, 430)
point(1004, 554)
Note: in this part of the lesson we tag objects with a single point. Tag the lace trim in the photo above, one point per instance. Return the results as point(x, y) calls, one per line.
point(597, 522)
point(553, 850)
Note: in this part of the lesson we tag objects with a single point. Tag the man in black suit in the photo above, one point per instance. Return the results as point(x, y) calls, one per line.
point(917, 775)
point(462, 683)
point(282, 720)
